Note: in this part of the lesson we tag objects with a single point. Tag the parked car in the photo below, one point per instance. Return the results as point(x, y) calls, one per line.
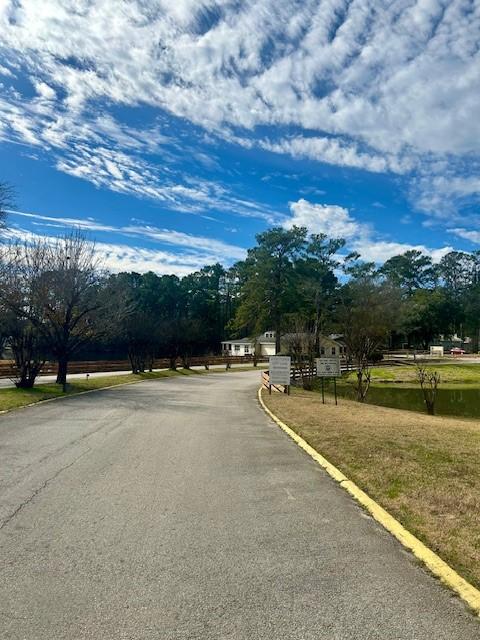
point(456, 351)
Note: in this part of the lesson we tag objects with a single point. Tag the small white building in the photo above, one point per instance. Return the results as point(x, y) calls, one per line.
point(329, 346)
point(263, 345)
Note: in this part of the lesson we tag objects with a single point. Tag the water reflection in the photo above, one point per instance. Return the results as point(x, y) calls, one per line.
point(462, 401)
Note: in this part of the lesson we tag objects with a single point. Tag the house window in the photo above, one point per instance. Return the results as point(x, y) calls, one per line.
point(246, 349)
point(229, 347)
point(237, 347)
point(322, 351)
point(334, 351)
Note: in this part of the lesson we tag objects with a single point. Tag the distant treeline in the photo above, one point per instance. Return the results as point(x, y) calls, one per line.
point(57, 302)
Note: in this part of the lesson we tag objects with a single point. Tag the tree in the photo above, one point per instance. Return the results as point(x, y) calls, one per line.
point(205, 294)
point(426, 314)
point(429, 381)
point(300, 344)
point(471, 305)
point(318, 282)
point(54, 285)
point(134, 325)
point(267, 278)
point(457, 270)
point(29, 352)
point(366, 317)
point(458, 273)
point(410, 271)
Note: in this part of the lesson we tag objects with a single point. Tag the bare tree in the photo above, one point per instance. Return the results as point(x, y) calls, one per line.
point(29, 353)
point(54, 285)
point(17, 331)
point(367, 315)
point(301, 345)
point(429, 381)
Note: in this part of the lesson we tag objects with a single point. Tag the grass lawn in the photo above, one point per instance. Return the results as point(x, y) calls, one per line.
point(449, 373)
point(12, 398)
point(425, 470)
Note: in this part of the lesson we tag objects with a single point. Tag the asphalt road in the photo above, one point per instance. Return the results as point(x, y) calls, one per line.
point(174, 509)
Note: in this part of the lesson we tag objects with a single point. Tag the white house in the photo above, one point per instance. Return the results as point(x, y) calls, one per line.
point(263, 345)
point(329, 346)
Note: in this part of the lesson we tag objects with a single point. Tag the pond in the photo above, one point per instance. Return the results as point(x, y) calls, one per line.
point(458, 400)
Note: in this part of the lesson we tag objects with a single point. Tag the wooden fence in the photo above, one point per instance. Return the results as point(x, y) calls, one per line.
point(280, 388)
point(298, 372)
point(7, 367)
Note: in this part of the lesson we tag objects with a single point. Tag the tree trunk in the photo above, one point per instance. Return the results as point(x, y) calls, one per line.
point(278, 345)
point(317, 326)
point(25, 383)
point(62, 369)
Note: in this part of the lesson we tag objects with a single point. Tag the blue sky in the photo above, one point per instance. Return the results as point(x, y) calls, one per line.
point(174, 132)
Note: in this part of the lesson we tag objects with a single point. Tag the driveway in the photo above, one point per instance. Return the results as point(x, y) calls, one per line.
point(175, 509)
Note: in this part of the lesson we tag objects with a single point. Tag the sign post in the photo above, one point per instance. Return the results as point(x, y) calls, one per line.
point(328, 368)
point(279, 371)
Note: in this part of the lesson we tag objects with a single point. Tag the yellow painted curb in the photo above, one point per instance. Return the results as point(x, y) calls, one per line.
point(467, 592)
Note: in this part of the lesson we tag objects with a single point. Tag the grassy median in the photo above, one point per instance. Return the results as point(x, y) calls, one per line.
point(425, 470)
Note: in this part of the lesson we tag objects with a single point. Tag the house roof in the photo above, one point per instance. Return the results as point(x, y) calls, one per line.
point(305, 335)
point(263, 340)
point(238, 341)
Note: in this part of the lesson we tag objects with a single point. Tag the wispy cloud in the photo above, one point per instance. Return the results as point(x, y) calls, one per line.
point(385, 87)
point(472, 235)
point(117, 257)
point(209, 249)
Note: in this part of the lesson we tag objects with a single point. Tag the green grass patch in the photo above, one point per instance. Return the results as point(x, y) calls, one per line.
point(450, 373)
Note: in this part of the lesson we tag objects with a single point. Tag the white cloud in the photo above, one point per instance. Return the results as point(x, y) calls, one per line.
point(378, 251)
point(210, 249)
point(378, 86)
point(45, 91)
point(122, 257)
point(337, 222)
point(337, 152)
point(332, 220)
point(471, 235)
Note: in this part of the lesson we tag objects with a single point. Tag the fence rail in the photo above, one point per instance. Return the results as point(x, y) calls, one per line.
point(8, 369)
point(280, 388)
point(299, 372)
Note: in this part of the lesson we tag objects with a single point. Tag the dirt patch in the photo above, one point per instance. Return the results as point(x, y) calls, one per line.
point(425, 470)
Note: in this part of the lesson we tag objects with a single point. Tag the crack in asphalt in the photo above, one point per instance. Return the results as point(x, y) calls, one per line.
point(39, 489)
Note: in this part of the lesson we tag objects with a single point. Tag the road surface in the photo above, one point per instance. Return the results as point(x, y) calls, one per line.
point(175, 509)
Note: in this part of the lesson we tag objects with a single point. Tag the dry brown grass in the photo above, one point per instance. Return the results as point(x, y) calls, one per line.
point(425, 470)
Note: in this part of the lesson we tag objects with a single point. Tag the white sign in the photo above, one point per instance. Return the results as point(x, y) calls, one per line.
point(279, 369)
point(328, 367)
point(436, 351)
